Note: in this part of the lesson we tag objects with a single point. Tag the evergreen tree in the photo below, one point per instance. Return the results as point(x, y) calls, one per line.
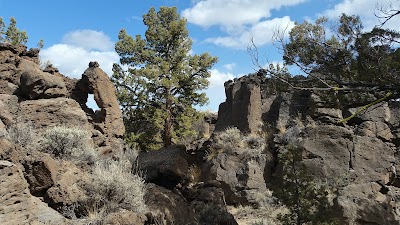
point(163, 81)
point(15, 36)
point(306, 200)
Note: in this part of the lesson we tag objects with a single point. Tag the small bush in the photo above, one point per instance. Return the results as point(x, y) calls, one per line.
point(231, 138)
point(21, 134)
point(114, 185)
point(64, 141)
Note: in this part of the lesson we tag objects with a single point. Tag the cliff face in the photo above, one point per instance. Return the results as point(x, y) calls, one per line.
point(33, 100)
point(363, 153)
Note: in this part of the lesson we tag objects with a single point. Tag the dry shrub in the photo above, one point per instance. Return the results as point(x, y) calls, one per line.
point(21, 133)
point(66, 142)
point(230, 139)
point(114, 186)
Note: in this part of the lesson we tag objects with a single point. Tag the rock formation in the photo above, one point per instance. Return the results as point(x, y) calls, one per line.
point(359, 153)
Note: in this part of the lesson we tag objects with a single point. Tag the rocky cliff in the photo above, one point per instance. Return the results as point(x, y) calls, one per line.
point(360, 157)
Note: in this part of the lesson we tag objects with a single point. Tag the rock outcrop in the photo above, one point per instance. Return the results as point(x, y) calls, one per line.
point(359, 157)
point(18, 206)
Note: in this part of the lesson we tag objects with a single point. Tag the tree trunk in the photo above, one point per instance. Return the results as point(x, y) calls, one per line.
point(168, 119)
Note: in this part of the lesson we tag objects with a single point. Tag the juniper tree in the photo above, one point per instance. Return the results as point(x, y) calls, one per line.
point(163, 80)
point(13, 35)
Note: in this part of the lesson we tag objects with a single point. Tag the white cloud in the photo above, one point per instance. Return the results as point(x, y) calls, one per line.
point(364, 10)
point(216, 90)
point(229, 66)
point(72, 60)
point(218, 78)
point(261, 32)
point(233, 14)
point(88, 39)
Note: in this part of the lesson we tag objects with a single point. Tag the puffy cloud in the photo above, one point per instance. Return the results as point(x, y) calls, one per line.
point(231, 14)
point(216, 90)
point(261, 32)
point(366, 11)
point(72, 60)
point(88, 39)
point(229, 66)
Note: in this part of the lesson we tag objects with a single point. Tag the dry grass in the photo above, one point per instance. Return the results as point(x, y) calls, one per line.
point(265, 212)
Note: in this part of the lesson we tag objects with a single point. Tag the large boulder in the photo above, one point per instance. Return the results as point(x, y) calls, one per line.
point(18, 206)
point(240, 173)
point(242, 108)
point(45, 113)
point(366, 204)
point(35, 84)
point(168, 207)
point(166, 167)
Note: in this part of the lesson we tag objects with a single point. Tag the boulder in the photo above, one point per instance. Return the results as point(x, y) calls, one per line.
point(166, 167)
point(44, 113)
point(328, 150)
point(8, 108)
point(18, 206)
point(364, 204)
point(124, 217)
point(168, 207)
point(239, 173)
point(375, 129)
point(35, 84)
point(376, 113)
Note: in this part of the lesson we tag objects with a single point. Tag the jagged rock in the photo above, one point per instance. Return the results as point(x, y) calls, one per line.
point(365, 204)
point(372, 158)
point(168, 207)
point(242, 108)
point(166, 167)
point(40, 175)
point(377, 113)
point(18, 206)
point(239, 174)
point(95, 81)
point(44, 113)
point(328, 150)
point(35, 84)
point(209, 204)
point(375, 129)
point(8, 108)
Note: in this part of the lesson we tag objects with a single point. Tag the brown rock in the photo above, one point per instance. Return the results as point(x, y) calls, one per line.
point(18, 206)
point(375, 129)
point(168, 207)
point(45, 113)
point(364, 204)
point(96, 82)
point(35, 84)
point(242, 108)
point(124, 217)
point(8, 108)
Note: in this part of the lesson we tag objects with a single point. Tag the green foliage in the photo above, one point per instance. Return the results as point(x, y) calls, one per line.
point(12, 34)
point(350, 54)
point(229, 139)
point(163, 81)
point(306, 200)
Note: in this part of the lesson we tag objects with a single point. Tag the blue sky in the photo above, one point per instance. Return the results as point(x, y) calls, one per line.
point(77, 32)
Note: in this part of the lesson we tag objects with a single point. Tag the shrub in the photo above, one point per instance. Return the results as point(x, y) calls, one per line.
point(114, 185)
point(64, 141)
point(21, 133)
point(229, 139)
